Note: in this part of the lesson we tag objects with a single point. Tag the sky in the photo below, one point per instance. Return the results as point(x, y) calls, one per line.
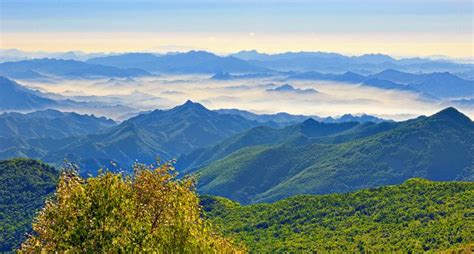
point(399, 28)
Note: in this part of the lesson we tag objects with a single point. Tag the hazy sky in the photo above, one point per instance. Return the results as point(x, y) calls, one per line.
point(399, 28)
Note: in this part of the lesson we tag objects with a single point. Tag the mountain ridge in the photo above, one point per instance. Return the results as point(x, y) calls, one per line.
point(420, 147)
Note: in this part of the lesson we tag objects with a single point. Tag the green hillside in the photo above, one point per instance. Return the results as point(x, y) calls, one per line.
point(416, 216)
point(161, 133)
point(24, 185)
point(439, 147)
point(262, 135)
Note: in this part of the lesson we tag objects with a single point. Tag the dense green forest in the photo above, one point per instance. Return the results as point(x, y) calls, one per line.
point(416, 216)
point(24, 186)
point(439, 148)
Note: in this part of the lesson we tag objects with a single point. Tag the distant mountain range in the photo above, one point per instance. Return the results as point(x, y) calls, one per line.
point(141, 64)
point(50, 123)
point(45, 68)
point(96, 142)
point(228, 76)
point(284, 119)
point(337, 63)
point(286, 88)
point(381, 71)
point(435, 85)
point(266, 165)
point(15, 97)
point(12, 55)
point(439, 85)
point(190, 62)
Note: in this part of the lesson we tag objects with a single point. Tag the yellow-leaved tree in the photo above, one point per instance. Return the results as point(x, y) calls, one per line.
point(151, 211)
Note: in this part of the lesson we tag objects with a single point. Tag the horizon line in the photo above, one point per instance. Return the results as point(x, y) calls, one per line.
point(441, 57)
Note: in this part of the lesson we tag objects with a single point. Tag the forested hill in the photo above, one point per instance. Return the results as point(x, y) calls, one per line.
point(24, 186)
point(416, 216)
point(439, 147)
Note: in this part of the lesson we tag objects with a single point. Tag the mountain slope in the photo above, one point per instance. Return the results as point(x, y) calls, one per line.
point(66, 68)
point(416, 216)
point(50, 123)
point(14, 96)
point(439, 147)
point(161, 133)
point(440, 85)
point(24, 186)
point(262, 135)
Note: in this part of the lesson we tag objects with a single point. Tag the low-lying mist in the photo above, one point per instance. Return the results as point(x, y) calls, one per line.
point(263, 95)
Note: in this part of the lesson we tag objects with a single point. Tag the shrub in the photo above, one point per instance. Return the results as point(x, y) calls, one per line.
point(150, 211)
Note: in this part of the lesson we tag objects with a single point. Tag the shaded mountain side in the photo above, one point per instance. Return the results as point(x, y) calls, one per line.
point(299, 133)
point(50, 123)
point(65, 68)
point(439, 147)
point(416, 216)
point(163, 134)
point(13, 96)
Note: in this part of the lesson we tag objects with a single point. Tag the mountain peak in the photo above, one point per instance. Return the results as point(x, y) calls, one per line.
point(310, 121)
point(189, 102)
point(190, 105)
point(451, 113)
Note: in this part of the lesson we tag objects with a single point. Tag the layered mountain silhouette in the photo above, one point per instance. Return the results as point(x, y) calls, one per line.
point(160, 133)
point(439, 147)
point(337, 63)
point(233, 150)
point(189, 62)
point(284, 119)
point(263, 135)
point(50, 123)
point(17, 97)
point(286, 88)
point(438, 85)
point(43, 68)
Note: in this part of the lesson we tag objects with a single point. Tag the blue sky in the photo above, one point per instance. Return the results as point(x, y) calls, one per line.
point(430, 27)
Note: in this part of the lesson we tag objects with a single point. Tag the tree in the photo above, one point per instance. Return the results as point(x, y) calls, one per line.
point(149, 211)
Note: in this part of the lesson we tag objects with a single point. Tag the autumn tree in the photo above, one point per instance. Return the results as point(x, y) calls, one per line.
point(151, 211)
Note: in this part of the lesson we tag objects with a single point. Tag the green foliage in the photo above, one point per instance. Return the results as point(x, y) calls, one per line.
point(416, 216)
point(261, 136)
point(24, 185)
point(439, 147)
point(150, 211)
